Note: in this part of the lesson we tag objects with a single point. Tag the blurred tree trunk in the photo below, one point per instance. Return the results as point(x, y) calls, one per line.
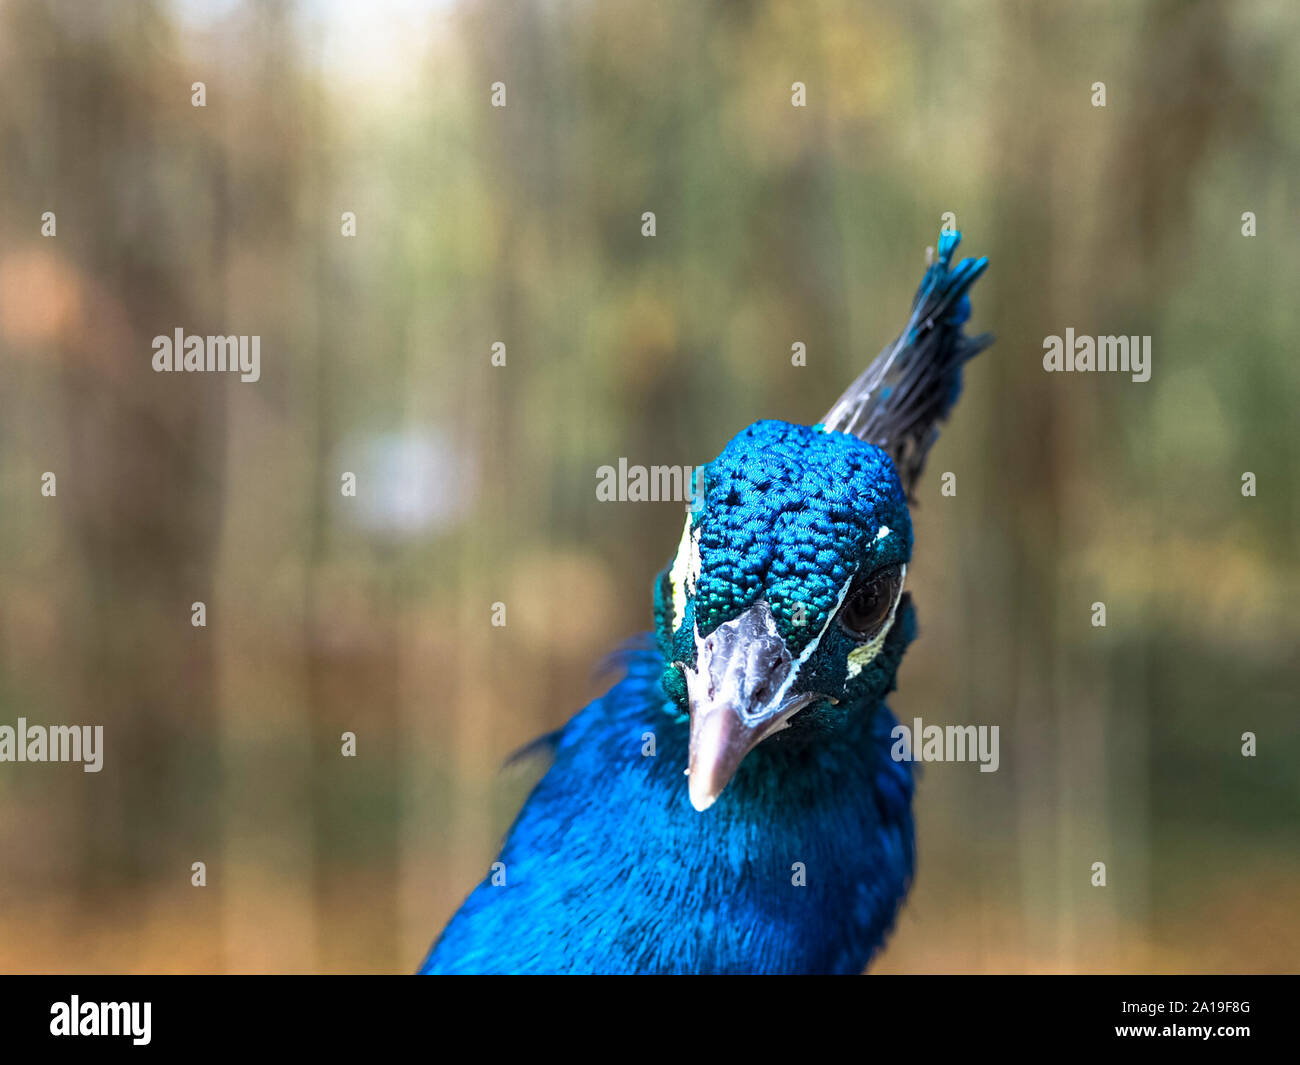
point(143, 491)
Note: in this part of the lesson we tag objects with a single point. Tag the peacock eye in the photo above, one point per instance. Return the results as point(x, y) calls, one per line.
point(869, 603)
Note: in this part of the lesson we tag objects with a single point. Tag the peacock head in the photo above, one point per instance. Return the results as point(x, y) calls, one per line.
point(783, 614)
point(784, 607)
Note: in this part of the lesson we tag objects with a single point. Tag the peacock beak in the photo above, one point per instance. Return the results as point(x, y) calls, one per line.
point(739, 695)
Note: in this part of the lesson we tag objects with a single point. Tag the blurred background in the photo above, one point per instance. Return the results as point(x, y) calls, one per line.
point(476, 484)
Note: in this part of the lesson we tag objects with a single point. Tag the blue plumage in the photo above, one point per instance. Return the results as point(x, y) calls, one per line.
point(610, 870)
point(779, 626)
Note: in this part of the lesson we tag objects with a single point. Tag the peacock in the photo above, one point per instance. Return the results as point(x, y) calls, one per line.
point(731, 804)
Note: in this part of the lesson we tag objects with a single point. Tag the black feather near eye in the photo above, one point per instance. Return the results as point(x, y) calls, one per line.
point(869, 602)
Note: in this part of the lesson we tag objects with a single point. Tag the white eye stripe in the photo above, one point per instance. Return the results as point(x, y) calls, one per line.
point(685, 572)
point(861, 657)
point(815, 642)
